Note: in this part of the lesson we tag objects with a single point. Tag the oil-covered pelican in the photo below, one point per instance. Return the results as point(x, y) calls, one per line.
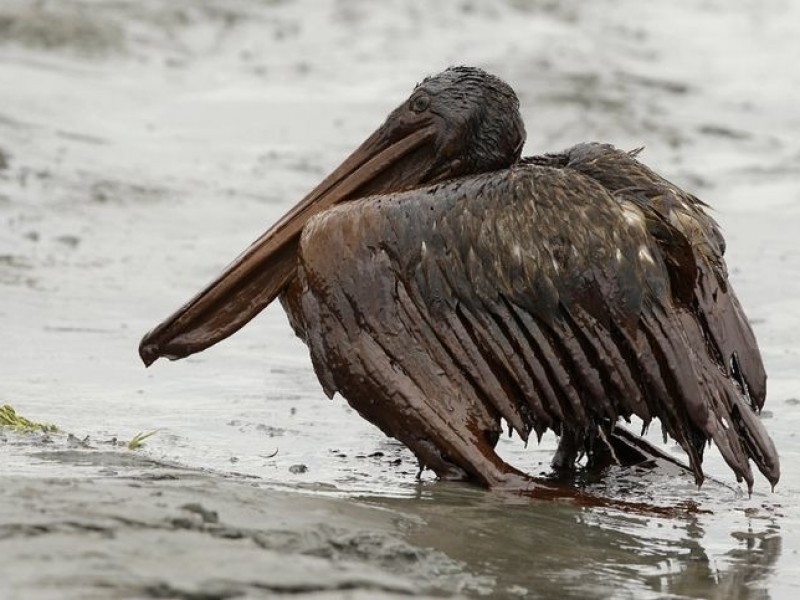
point(443, 284)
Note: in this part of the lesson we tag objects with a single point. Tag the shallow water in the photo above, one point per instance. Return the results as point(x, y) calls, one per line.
point(144, 144)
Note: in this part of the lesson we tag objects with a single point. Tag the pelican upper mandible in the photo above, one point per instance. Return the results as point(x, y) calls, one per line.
point(443, 285)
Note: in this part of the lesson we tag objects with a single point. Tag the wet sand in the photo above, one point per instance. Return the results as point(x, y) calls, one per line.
point(144, 144)
point(168, 532)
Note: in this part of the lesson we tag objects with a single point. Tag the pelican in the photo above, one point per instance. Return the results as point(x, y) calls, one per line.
point(444, 285)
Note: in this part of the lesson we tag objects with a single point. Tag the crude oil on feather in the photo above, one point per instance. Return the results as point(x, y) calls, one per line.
point(443, 285)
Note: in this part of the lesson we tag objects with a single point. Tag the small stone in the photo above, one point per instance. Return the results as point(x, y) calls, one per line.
point(208, 516)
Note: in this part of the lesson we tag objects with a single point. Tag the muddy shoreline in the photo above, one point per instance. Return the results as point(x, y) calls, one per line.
point(177, 534)
point(125, 525)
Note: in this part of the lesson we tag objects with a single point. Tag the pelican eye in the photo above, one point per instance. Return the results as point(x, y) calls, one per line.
point(420, 103)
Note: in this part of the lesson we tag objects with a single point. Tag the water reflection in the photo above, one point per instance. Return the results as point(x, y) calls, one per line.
point(749, 567)
point(552, 549)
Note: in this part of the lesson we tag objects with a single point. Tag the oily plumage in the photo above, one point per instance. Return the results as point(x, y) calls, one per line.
point(444, 285)
point(563, 295)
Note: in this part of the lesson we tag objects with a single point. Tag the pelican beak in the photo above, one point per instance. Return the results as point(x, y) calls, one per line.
point(395, 157)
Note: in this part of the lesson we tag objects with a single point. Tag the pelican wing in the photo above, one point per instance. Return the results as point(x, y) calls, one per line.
point(535, 294)
point(679, 222)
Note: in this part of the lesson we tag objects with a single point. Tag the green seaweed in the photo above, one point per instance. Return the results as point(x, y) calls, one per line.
point(139, 438)
point(10, 418)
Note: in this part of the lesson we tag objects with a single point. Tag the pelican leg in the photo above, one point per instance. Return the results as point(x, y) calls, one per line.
point(568, 451)
point(633, 450)
point(618, 447)
point(601, 448)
